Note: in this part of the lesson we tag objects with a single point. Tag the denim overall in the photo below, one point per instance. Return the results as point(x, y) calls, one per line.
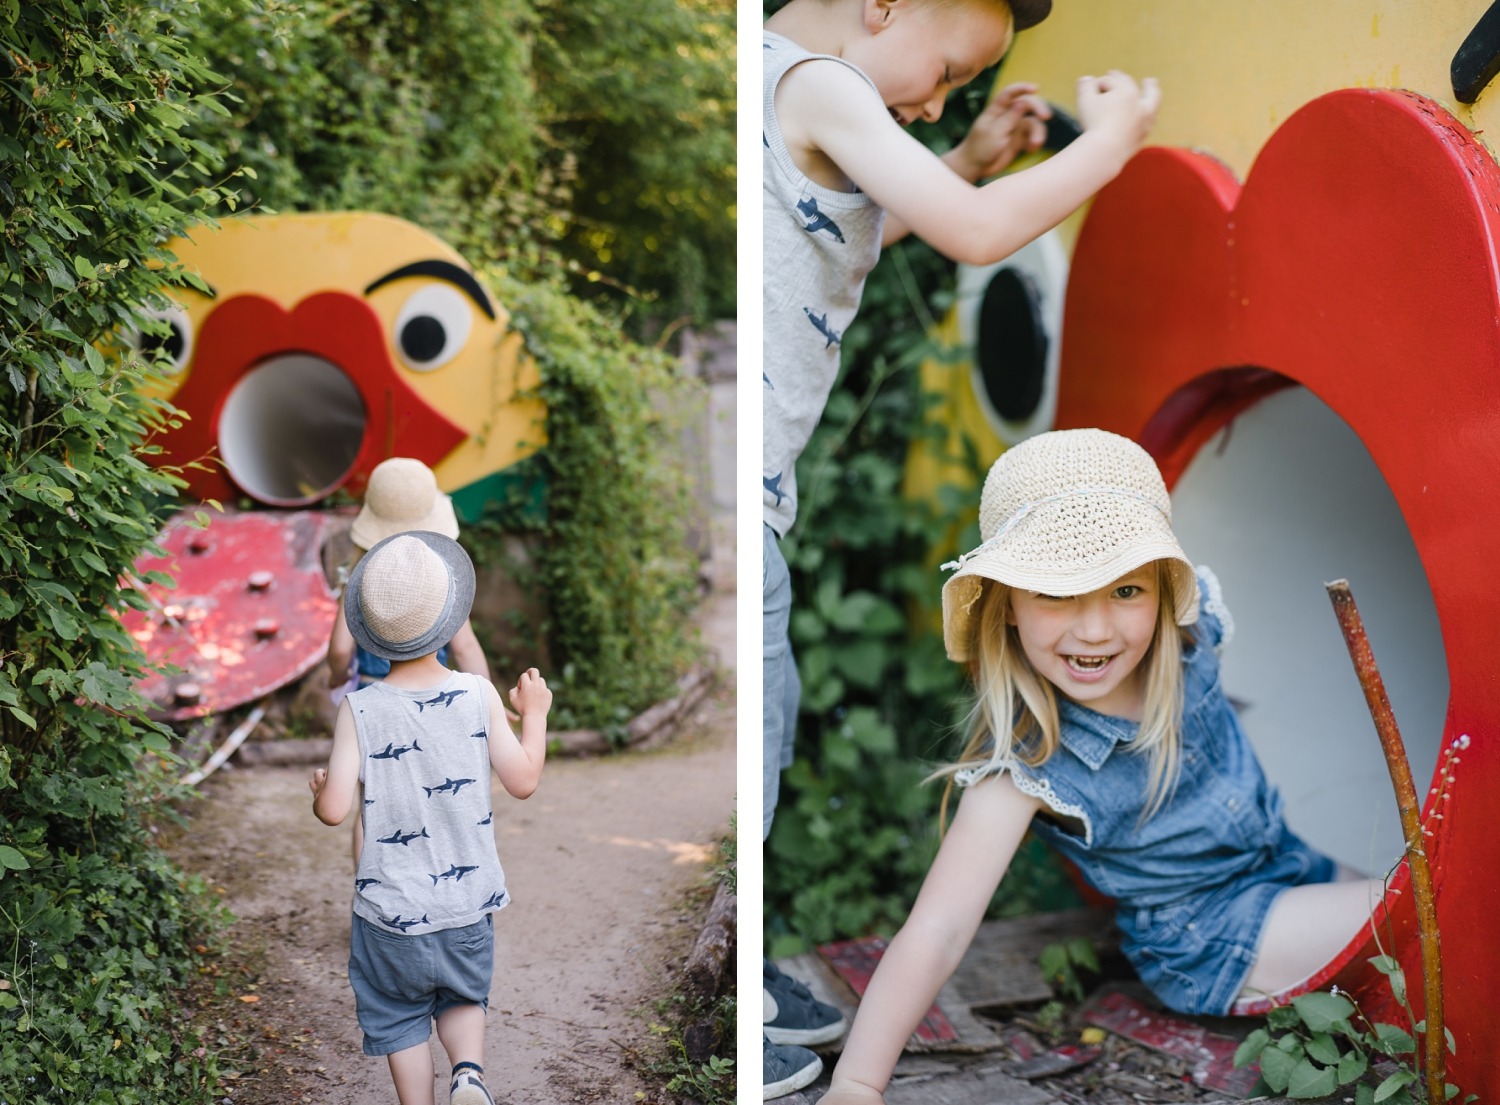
point(1194, 882)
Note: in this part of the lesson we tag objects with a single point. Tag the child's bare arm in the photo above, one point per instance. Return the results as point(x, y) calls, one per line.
point(518, 761)
point(991, 820)
point(334, 787)
point(1012, 123)
point(340, 650)
point(468, 653)
point(827, 110)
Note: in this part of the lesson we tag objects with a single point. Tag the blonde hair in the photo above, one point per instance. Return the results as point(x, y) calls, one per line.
point(1015, 715)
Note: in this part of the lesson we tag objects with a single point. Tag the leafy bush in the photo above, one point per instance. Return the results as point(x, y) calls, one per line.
point(592, 142)
point(94, 921)
point(1312, 1046)
point(615, 565)
point(94, 947)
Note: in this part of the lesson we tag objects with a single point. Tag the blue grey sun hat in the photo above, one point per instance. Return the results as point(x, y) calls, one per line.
point(409, 595)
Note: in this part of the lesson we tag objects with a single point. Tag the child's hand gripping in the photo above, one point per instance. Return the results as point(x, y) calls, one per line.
point(531, 695)
point(1115, 105)
point(1012, 123)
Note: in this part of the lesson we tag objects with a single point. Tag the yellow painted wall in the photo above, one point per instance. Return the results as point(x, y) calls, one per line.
point(1233, 70)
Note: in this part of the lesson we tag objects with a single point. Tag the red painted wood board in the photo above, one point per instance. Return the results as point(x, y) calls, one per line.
point(251, 610)
point(1357, 260)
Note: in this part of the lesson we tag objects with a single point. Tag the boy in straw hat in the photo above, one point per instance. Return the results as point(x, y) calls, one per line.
point(422, 742)
point(402, 495)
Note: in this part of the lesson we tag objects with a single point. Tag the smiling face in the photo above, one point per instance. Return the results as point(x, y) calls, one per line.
point(1090, 646)
point(918, 51)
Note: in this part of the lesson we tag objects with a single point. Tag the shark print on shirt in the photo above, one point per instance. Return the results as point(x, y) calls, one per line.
point(448, 786)
point(773, 485)
point(454, 872)
point(397, 922)
point(817, 221)
point(428, 864)
point(404, 839)
point(443, 698)
point(393, 753)
point(820, 324)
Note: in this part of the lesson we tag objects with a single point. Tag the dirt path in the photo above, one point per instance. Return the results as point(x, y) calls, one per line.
point(603, 863)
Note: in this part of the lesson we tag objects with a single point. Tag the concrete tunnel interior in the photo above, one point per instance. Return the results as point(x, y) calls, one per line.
point(1282, 500)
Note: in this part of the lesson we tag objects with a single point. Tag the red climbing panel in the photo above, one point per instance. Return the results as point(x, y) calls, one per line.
point(1358, 260)
point(251, 611)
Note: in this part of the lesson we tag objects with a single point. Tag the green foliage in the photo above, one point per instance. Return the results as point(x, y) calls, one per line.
point(592, 140)
point(649, 145)
point(414, 110)
point(615, 566)
point(95, 924)
point(93, 947)
point(881, 704)
point(1312, 1046)
point(1061, 962)
point(710, 1081)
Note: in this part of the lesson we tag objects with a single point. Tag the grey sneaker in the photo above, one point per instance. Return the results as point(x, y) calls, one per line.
point(791, 1015)
point(468, 1087)
point(786, 1069)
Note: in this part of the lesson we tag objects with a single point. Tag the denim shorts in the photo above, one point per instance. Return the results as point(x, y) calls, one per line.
point(1195, 953)
point(781, 687)
point(402, 982)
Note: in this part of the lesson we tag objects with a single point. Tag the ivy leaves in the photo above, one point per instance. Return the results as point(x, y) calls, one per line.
point(1311, 1046)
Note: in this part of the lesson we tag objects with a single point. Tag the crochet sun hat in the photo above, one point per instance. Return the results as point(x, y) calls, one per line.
point(402, 495)
point(1065, 513)
point(409, 595)
point(1028, 13)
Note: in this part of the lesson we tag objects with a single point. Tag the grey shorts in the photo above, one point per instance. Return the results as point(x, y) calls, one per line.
point(402, 982)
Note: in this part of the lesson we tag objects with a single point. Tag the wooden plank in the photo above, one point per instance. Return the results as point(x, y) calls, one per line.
point(1209, 1054)
point(980, 1085)
point(1000, 968)
point(967, 1033)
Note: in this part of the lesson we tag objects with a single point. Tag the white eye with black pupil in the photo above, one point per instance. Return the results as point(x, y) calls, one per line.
point(432, 327)
point(171, 349)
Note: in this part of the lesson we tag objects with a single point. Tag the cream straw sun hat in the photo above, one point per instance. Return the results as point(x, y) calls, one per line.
point(402, 495)
point(1065, 513)
point(409, 595)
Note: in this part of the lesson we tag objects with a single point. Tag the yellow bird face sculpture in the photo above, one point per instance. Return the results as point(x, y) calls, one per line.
point(329, 342)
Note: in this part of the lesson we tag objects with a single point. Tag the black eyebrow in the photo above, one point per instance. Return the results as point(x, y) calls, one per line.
point(460, 278)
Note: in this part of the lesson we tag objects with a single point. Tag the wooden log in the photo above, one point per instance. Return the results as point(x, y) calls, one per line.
point(713, 952)
point(285, 753)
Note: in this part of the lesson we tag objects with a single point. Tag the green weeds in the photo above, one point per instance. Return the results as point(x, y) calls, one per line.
point(1321, 1041)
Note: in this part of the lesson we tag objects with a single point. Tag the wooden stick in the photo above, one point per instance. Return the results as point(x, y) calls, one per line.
point(1370, 682)
point(235, 739)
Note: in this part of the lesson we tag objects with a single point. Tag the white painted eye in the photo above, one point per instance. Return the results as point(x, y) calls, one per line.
point(1010, 327)
point(432, 327)
point(176, 345)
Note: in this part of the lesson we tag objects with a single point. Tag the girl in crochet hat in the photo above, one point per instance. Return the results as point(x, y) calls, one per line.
point(1100, 723)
